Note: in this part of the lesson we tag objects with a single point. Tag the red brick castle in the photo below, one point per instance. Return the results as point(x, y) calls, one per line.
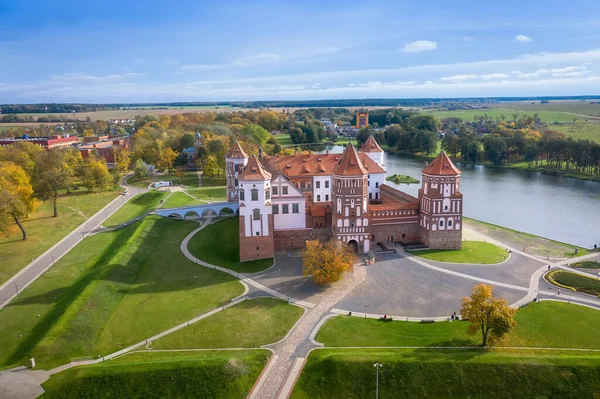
point(286, 200)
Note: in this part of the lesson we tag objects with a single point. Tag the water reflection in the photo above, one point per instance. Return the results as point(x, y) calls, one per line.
point(556, 207)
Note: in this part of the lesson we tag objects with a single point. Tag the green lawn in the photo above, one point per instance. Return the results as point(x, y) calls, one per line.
point(210, 374)
point(580, 283)
point(581, 130)
point(190, 180)
point(544, 324)
point(586, 264)
point(398, 179)
point(137, 206)
point(575, 107)
point(248, 324)
point(210, 193)
point(219, 244)
point(213, 181)
point(283, 139)
point(112, 290)
point(468, 115)
point(426, 373)
point(471, 252)
point(535, 245)
point(44, 231)
point(179, 199)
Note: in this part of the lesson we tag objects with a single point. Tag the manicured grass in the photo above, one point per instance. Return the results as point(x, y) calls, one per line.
point(283, 139)
point(210, 374)
point(112, 290)
point(580, 283)
point(44, 231)
point(137, 206)
point(219, 244)
point(398, 179)
point(471, 252)
point(190, 180)
point(214, 181)
point(210, 193)
point(532, 244)
point(346, 373)
point(179, 199)
point(586, 264)
point(546, 325)
point(248, 324)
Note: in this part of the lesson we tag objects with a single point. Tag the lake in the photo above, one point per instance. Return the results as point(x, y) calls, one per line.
point(556, 207)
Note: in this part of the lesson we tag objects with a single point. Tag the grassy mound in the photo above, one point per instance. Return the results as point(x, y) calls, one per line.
point(586, 264)
point(577, 282)
point(346, 373)
point(471, 252)
point(179, 199)
point(209, 193)
point(264, 321)
point(136, 207)
point(112, 290)
point(402, 179)
point(219, 244)
point(545, 324)
point(162, 375)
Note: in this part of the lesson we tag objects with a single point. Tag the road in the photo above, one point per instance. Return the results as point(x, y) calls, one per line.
point(37, 267)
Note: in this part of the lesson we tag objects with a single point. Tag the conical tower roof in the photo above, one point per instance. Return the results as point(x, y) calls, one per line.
point(442, 165)
point(254, 171)
point(237, 152)
point(371, 145)
point(350, 164)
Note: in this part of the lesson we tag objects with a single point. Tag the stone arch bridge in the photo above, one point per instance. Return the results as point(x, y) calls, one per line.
point(200, 211)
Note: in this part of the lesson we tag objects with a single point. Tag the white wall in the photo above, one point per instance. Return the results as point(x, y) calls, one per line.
point(322, 191)
point(252, 226)
point(377, 157)
point(376, 179)
point(290, 220)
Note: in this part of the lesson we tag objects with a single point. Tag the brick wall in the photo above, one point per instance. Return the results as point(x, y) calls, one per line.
point(256, 247)
point(442, 239)
point(382, 232)
point(295, 239)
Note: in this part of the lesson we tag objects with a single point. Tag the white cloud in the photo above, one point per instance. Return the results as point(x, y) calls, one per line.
point(490, 76)
point(459, 78)
point(523, 39)
point(573, 70)
point(420, 45)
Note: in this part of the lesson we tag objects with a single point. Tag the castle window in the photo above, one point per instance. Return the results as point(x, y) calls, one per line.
point(236, 182)
point(352, 225)
point(295, 208)
point(256, 214)
point(275, 209)
point(326, 184)
point(302, 184)
point(284, 190)
point(268, 194)
point(370, 195)
point(376, 195)
point(242, 195)
point(254, 193)
point(318, 183)
point(257, 233)
point(285, 208)
point(318, 198)
point(376, 184)
point(442, 223)
point(326, 197)
point(449, 223)
point(274, 190)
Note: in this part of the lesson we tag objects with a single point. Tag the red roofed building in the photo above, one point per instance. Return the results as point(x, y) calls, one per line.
point(287, 200)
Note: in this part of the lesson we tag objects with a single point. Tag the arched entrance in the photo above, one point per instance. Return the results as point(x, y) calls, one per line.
point(191, 215)
point(353, 245)
point(209, 213)
point(226, 212)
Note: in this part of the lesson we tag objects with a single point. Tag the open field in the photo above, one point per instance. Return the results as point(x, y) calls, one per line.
point(427, 373)
point(545, 324)
point(210, 374)
point(136, 207)
point(467, 115)
point(249, 324)
point(578, 282)
point(581, 131)
point(471, 252)
point(179, 199)
point(44, 231)
point(283, 139)
point(570, 107)
point(110, 291)
point(219, 244)
point(535, 245)
point(190, 179)
point(214, 181)
point(209, 193)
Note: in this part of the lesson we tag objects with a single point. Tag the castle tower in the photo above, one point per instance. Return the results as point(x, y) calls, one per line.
point(234, 164)
point(256, 212)
point(440, 203)
point(349, 195)
point(373, 151)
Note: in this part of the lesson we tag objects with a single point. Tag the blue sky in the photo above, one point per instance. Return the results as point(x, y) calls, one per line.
point(151, 51)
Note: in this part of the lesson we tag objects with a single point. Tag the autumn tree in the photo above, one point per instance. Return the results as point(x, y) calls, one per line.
point(122, 159)
point(211, 167)
point(326, 262)
point(487, 315)
point(52, 174)
point(94, 174)
point(16, 195)
point(165, 158)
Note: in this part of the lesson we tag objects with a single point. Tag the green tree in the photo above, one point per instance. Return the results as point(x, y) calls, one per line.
point(52, 174)
point(256, 134)
point(211, 167)
point(140, 169)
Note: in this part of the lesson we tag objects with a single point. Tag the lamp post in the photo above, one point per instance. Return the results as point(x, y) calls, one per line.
point(377, 366)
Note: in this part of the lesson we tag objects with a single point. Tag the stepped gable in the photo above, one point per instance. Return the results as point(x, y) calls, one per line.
point(237, 152)
point(371, 145)
point(254, 170)
point(350, 164)
point(442, 166)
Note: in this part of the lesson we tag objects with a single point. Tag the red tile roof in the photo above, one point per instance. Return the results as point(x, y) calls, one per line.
point(237, 152)
point(350, 164)
point(316, 164)
point(254, 171)
point(371, 145)
point(442, 165)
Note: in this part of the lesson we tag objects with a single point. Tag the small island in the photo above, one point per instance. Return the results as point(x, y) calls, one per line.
point(402, 179)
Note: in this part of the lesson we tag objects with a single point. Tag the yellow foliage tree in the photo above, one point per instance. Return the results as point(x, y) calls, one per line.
point(88, 133)
point(486, 314)
point(211, 167)
point(16, 195)
point(326, 262)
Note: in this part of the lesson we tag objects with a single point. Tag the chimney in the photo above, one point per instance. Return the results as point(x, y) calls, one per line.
point(326, 152)
point(260, 153)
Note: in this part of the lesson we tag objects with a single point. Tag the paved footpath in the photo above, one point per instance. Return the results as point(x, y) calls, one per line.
point(38, 266)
